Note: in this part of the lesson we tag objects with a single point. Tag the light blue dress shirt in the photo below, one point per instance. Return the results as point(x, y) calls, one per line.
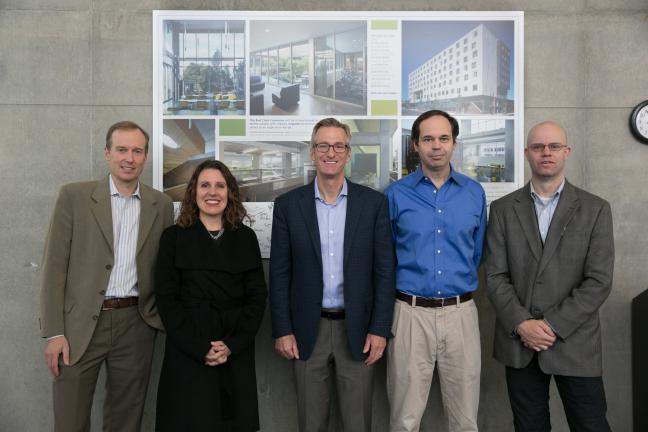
point(545, 209)
point(438, 233)
point(331, 220)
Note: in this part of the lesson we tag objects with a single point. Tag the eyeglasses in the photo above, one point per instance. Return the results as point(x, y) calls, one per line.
point(539, 148)
point(337, 148)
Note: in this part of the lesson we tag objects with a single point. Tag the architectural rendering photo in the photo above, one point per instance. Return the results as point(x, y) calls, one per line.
point(308, 68)
point(485, 150)
point(186, 143)
point(267, 169)
point(203, 67)
point(463, 67)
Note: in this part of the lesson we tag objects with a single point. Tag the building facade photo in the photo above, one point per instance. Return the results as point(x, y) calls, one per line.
point(470, 75)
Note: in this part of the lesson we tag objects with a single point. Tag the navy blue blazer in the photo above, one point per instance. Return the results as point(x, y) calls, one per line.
point(296, 281)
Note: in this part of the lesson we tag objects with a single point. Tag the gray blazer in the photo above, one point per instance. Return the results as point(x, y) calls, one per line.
point(564, 282)
point(79, 255)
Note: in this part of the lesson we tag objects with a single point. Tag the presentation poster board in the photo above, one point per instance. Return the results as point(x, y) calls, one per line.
point(247, 87)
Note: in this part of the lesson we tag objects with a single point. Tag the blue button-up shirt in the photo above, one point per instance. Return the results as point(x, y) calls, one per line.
point(438, 233)
point(545, 209)
point(331, 219)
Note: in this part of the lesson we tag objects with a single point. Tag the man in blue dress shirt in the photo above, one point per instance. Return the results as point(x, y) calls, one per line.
point(332, 285)
point(438, 220)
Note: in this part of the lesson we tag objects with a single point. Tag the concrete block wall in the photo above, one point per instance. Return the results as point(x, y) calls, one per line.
point(70, 68)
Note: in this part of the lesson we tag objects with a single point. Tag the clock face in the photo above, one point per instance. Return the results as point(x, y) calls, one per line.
point(639, 122)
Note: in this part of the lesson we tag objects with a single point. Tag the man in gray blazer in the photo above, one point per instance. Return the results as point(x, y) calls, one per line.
point(549, 262)
point(97, 302)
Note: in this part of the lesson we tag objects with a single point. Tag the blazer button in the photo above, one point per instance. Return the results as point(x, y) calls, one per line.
point(108, 266)
point(102, 292)
point(95, 317)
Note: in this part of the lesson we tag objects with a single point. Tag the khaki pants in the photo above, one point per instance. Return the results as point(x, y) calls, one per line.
point(125, 342)
point(423, 337)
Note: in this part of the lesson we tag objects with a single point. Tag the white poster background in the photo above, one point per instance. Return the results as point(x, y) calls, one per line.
point(375, 71)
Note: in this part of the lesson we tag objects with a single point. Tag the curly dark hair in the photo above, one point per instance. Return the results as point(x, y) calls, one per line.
point(234, 212)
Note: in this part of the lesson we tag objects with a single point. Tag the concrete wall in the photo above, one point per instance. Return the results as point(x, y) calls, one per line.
point(70, 68)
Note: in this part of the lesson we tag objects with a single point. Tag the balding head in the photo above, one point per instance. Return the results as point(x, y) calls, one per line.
point(543, 130)
point(547, 151)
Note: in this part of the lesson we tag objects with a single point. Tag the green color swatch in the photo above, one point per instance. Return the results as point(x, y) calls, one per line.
point(232, 127)
point(384, 107)
point(384, 25)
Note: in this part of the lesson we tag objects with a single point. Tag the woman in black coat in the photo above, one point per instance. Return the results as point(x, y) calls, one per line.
point(211, 296)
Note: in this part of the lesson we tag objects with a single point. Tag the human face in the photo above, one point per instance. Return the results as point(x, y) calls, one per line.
point(330, 164)
point(126, 157)
point(211, 193)
point(547, 164)
point(435, 145)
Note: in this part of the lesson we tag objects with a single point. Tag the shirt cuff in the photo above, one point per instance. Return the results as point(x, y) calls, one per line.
point(54, 337)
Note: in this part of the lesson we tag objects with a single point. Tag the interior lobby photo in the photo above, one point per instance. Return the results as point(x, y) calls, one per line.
point(266, 169)
point(308, 68)
point(204, 67)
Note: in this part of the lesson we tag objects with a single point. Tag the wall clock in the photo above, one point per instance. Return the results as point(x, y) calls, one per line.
point(639, 122)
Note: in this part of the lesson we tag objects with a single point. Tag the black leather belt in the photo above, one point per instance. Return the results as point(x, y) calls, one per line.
point(332, 314)
point(119, 302)
point(432, 302)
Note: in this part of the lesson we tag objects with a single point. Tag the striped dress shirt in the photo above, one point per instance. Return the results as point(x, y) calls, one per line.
point(125, 221)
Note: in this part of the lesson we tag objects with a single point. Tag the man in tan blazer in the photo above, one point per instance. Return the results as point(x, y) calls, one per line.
point(549, 262)
point(97, 302)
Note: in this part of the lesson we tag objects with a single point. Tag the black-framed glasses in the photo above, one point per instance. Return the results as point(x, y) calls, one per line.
point(337, 148)
point(539, 148)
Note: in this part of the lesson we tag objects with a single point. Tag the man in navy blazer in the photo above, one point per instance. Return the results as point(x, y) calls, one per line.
point(332, 284)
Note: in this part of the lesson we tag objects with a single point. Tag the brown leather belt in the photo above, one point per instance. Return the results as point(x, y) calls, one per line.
point(432, 302)
point(119, 302)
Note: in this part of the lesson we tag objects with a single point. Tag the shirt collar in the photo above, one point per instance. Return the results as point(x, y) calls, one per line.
point(418, 175)
point(555, 195)
point(343, 192)
point(115, 192)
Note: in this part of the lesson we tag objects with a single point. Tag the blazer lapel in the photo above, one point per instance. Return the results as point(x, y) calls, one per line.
point(101, 210)
point(148, 214)
point(353, 210)
point(564, 213)
point(307, 207)
point(525, 212)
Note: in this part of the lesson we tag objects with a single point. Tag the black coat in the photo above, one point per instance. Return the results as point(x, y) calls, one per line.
point(208, 291)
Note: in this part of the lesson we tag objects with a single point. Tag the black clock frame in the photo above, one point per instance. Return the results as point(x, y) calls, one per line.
point(633, 123)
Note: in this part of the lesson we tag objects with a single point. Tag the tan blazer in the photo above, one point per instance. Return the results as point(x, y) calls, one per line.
point(565, 281)
point(78, 258)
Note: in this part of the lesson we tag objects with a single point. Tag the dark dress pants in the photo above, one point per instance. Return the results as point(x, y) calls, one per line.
point(331, 364)
point(583, 400)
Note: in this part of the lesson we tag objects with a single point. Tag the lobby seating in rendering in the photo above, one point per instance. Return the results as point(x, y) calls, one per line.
point(256, 83)
point(287, 98)
point(256, 103)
